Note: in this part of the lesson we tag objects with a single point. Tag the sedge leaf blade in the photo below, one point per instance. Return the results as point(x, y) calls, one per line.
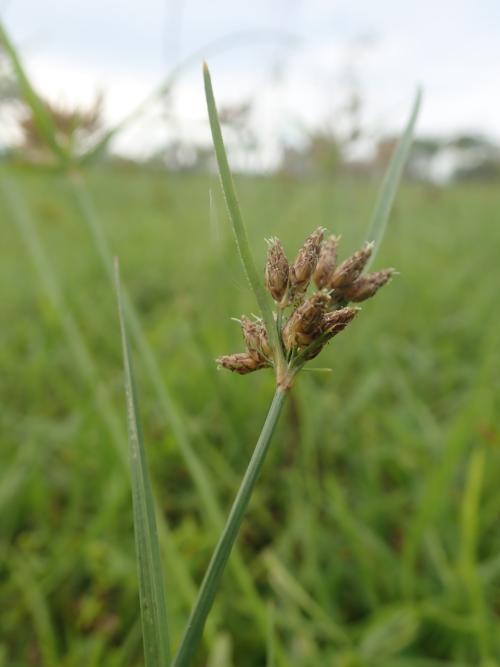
point(151, 584)
point(392, 179)
point(236, 217)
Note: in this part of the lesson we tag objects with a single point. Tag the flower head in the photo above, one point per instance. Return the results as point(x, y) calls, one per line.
point(313, 320)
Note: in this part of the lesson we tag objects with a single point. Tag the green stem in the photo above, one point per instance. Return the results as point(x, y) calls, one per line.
point(213, 575)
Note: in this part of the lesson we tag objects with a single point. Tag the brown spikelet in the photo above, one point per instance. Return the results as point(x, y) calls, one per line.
point(277, 270)
point(256, 340)
point(366, 286)
point(264, 343)
point(241, 362)
point(305, 322)
point(332, 323)
point(337, 320)
point(350, 269)
point(326, 262)
point(305, 263)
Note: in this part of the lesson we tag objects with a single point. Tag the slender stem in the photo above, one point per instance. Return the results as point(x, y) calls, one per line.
point(213, 575)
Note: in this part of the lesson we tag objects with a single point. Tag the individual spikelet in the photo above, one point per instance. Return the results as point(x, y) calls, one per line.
point(366, 286)
point(304, 324)
point(332, 323)
point(277, 270)
point(301, 271)
point(351, 268)
point(255, 337)
point(326, 262)
point(241, 362)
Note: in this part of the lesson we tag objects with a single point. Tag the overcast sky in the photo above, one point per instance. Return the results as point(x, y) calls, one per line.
point(298, 71)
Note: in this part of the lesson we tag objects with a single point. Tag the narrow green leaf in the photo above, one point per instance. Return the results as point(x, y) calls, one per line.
point(41, 116)
point(151, 586)
point(390, 184)
point(236, 217)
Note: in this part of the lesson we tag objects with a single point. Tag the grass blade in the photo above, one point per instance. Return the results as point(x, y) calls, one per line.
point(390, 184)
point(42, 118)
point(236, 217)
point(151, 586)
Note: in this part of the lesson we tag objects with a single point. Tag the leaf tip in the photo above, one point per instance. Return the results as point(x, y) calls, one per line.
point(206, 73)
point(415, 109)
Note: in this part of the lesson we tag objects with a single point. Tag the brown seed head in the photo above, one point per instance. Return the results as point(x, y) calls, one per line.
point(305, 263)
point(305, 322)
point(351, 268)
point(337, 320)
point(241, 363)
point(277, 270)
point(326, 262)
point(256, 340)
point(332, 323)
point(366, 286)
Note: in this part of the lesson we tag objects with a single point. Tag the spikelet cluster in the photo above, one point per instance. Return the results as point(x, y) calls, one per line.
point(312, 321)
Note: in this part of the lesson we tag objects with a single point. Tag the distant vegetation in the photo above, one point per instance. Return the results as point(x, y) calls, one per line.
point(323, 151)
point(372, 532)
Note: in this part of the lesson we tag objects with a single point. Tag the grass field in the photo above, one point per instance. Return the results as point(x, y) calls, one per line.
point(372, 539)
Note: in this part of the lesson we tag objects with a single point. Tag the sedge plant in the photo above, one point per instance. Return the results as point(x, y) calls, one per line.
point(293, 328)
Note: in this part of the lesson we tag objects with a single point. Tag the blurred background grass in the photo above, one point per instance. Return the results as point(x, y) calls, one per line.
point(372, 536)
point(373, 529)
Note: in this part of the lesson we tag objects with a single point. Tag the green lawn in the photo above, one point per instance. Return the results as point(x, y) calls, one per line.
point(372, 539)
